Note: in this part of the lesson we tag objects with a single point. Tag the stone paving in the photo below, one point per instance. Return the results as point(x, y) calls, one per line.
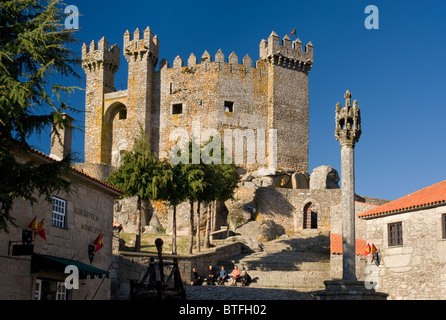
point(243, 293)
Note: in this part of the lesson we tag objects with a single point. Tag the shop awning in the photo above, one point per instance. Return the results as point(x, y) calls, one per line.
point(45, 263)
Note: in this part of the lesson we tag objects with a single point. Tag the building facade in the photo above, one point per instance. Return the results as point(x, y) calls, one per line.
point(69, 229)
point(410, 234)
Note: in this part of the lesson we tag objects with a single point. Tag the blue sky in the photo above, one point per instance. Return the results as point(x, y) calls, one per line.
point(397, 72)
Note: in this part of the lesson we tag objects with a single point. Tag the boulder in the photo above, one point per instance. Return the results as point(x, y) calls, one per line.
point(154, 225)
point(251, 245)
point(265, 230)
point(240, 212)
point(324, 177)
point(299, 180)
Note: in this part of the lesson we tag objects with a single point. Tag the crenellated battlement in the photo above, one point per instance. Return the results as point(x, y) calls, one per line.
point(100, 55)
point(206, 63)
point(141, 45)
point(288, 54)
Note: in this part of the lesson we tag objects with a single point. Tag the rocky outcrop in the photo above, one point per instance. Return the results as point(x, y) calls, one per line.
point(324, 177)
point(265, 230)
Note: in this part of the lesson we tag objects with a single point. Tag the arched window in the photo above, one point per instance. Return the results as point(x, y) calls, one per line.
point(310, 217)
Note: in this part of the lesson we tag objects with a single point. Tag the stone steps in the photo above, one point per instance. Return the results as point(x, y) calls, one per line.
point(284, 265)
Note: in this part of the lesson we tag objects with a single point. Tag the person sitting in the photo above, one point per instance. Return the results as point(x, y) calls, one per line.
point(222, 276)
point(235, 276)
point(245, 278)
point(196, 279)
point(210, 280)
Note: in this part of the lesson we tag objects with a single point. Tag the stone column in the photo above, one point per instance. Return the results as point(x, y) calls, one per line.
point(347, 132)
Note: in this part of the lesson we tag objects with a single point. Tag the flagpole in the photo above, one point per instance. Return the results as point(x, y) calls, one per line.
point(100, 283)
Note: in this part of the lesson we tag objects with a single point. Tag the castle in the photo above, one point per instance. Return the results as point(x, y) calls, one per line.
point(213, 93)
point(272, 98)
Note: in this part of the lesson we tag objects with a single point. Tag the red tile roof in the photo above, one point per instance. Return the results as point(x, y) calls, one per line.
point(336, 244)
point(426, 197)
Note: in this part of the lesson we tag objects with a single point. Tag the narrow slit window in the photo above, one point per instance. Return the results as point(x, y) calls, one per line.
point(177, 108)
point(443, 222)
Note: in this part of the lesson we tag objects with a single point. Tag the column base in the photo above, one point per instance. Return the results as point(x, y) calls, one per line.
point(348, 290)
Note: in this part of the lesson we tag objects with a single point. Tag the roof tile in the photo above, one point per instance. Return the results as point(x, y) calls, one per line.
point(432, 195)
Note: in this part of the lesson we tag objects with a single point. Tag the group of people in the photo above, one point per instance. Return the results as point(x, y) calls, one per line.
point(220, 277)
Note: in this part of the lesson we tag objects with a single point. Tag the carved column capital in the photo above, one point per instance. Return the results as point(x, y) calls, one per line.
point(348, 122)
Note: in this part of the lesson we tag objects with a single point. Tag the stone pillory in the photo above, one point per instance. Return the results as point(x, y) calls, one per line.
point(210, 92)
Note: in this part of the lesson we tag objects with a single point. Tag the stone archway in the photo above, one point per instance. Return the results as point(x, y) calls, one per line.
point(114, 137)
point(310, 215)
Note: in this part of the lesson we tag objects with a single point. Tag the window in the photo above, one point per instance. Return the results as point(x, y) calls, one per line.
point(443, 225)
point(46, 289)
point(61, 292)
point(229, 106)
point(59, 210)
point(177, 108)
point(395, 234)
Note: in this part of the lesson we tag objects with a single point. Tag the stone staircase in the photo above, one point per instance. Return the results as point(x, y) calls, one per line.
point(293, 263)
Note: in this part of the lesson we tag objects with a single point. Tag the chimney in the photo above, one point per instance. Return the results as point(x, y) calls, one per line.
point(61, 144)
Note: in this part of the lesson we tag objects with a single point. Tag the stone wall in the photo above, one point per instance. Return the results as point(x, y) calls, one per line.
point(88, 214)
point(286, 206)
point(416, 269)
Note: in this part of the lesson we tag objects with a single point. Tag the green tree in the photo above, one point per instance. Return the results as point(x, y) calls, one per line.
point(34, 47)
point(195, 185)
point(175, 193)
point(221, 182)
point(139, 175)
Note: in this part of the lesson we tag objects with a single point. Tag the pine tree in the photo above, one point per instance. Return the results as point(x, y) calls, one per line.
point(34, 46)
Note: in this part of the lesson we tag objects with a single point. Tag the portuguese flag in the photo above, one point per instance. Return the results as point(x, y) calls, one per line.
point(293, 32)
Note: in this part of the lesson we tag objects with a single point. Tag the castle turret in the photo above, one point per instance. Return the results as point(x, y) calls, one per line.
point(141, 53)
point(287, 66)
point(100, 63)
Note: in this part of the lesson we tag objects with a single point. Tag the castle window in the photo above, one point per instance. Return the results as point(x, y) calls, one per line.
point(229, 106)
point(123, 114)
point(395, 231)
point(177, 108)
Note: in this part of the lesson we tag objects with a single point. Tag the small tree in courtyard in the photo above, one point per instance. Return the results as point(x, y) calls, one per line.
point(138, 176)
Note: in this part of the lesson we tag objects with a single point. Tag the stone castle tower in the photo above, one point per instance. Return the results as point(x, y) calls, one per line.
point(211, 93)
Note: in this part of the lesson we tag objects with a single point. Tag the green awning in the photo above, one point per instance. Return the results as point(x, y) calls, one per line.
point(41, 262)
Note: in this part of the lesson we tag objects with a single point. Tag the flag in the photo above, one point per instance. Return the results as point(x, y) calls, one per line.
point(41, 230)
point(98, 243)
point(293, 32)
point(373, 249)
point(367, 250)
point(33, 225)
